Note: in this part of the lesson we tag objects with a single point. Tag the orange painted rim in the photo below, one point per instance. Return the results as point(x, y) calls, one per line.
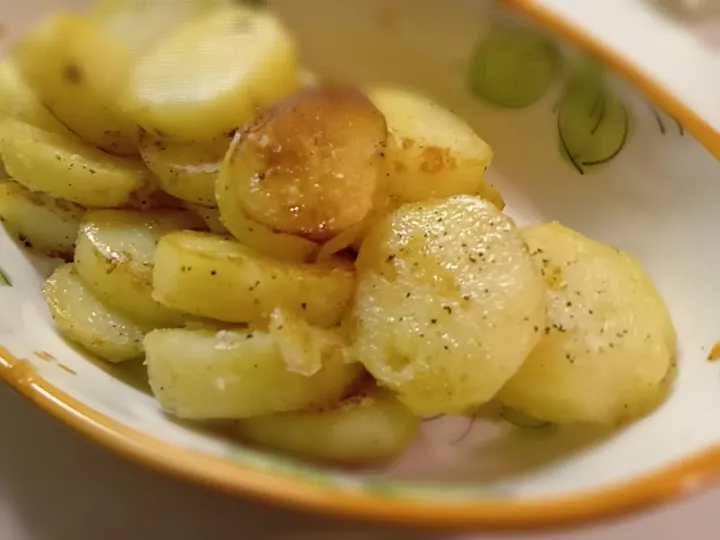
point(680, 478)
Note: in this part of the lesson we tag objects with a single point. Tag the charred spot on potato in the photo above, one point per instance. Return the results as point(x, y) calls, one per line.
point(73, 74)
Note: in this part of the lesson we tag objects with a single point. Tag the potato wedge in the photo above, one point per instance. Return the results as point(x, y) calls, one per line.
point(66, 168)
point(186, 170)
point(206, 78)
point(84, 319)
point(281, 246)
point(206, 374)
point(41, 223)
point(76, 71)
point(609, 342)
point(311, 164)
point(18, 100)
point(448, 304)
point(139, 24)
point(216, 277)
point(431, 152)
point(115, 255)
point(368, 426)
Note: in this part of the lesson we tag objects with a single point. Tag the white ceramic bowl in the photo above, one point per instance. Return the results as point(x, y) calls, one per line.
point(657, 198)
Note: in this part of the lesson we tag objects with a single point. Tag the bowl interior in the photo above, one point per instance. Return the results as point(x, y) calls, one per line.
point(656, 199)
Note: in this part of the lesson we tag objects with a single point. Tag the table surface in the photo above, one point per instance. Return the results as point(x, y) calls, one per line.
point(55, 485)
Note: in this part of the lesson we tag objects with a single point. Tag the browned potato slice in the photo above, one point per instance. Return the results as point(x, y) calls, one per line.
point(309, 165)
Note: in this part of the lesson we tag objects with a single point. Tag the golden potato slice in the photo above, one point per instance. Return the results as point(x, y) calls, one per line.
point(115, 255)
point(206, 374)
point(207, 77)
point(311, 164)
point(39, 222)
point(138, 24)
point(281, 246)
point(18, 100)
point(219, 278)
point(67, 168)
point(84, 319)
point(448, 303)
point(431, 152)
point(609, 342)
point(76, 71)
point(368, 426)
point(186, 170)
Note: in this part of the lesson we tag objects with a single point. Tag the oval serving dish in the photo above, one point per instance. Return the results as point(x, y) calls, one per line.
point(645, 183)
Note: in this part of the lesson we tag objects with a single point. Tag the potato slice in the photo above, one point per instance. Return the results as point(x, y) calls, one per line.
point(84, 319)
point(448, 303)
point(207, 374)
point(18, 100)
point(281, 246)
point(207, 77)
point(431, 152)
point(368, 426)
point(138, 24)
point(211, 217)
point(216, 277)
point(115, 256)
point(609, 342)
point(186, 170)
point(39, 222)
point(66, 168)
point(311, 164)
point(76, 71)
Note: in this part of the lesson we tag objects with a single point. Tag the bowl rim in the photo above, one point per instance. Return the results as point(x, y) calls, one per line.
point(674, 479)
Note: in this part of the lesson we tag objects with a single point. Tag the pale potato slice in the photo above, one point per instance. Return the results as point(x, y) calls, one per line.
point(115, 255)
point(368, 426)
point(448, 303)
point(216, 277)
point(311, 164)
point(207, 77)
point(138, 24)
point(281, 246)
point(39, 222)
point(18, 100)
point(67, 168)
point(84, 319)
point(431, 152)
point(76, 71)
point(186, 170)
point(609, 342)
point(207, 374)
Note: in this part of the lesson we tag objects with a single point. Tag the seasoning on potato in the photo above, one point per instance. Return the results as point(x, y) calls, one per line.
point(448, 304)
point(311, 164)
point(609, 344)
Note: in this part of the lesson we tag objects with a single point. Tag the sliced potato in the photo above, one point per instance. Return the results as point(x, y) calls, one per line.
point(284, 247)
point(219, 278)
point(76, 71)
point(39, 222)
point(311, 164)
point(67, 168)
point(448, 303)
point(206, 374)
point(115, 255)
point(207, 77)
point(186, 170)
point(368, 426)
point(211, 217)
point(138, 24)
point(84, 319)
point(18, 100)
point(431, 152)
point(609, 342)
